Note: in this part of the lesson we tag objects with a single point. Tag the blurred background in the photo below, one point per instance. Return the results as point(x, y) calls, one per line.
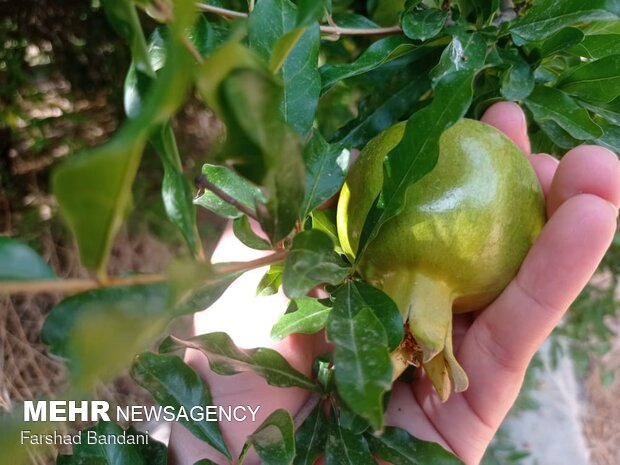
point(61, 74)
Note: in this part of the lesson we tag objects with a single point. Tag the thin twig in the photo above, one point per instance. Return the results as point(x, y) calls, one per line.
point(327, 29)
point(205, 183)
point(192, 50)
point(252, 264)
point(306, 409)
point(72, 286)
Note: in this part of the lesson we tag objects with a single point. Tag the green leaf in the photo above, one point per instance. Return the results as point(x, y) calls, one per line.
point(518, 79)
point(478, 9)
point(227, 359)
point(271, 281)
point(235, 186)
point(205, 462)
point(597, 81)
point(561, 40)
point(174, 384)
point(547, 103)
point(100, 331)
point(176, 190)
point(274, 439)
point(195, 286)
point(252, 101)
point(326, 168)
point(598, 46)
point(398, 447)
point(345, 448)
point(124, 19)
point(417, 153)
point(309, 318)
point(325, 220)
point(243, 231)
point(386, 12)
point(467, 51)
point(311, 437)
point(93, 189)
point(423, 24)
point(377, 54)
point(364, 372)
point(385, 105)
point(610, 111)
point(273, 34)
point(18, 262)
point(115, 453)
point(385, 309)
point(310, 11)
point(610, 137)
point(545, 17)
point(310, 262)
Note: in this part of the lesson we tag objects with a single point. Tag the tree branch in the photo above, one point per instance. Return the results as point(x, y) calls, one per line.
point(334, 30)
point(73, 286)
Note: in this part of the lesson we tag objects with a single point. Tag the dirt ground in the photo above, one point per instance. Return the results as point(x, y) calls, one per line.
point(602, 410)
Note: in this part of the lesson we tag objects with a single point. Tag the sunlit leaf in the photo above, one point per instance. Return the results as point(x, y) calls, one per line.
point(227, 359)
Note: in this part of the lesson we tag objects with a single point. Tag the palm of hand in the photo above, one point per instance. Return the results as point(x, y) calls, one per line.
point(494, 348)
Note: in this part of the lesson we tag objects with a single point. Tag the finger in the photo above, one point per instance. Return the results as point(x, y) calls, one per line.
point(509, 118)
point(501, 341)
point(587, 168)
point(545, 166)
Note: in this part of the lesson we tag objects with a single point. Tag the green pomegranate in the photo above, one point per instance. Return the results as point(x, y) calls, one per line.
point(465, 229)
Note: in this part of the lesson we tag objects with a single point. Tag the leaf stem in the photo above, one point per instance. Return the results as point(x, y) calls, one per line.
point(328, 29)
point(73, 286)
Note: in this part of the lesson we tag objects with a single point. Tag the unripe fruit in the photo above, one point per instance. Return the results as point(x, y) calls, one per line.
point(464, 230)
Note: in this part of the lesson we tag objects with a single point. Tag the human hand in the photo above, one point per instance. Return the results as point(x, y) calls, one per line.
point(495, 346)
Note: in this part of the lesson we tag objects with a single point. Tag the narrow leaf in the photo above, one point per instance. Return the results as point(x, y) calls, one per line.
point(598, 46)
point(227, 359)
point(310, 262)
point(547, 103)
point(378, 53)
point(176, 191)
point(597, 81)
point(545, 17)
point(311, 437)
point(174, 384)
point(345, 448)
point(384, 107)
point(364, 369)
